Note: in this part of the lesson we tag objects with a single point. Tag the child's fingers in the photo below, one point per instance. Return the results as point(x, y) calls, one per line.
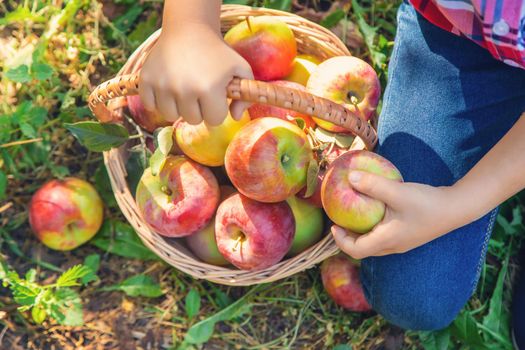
point(147, 96)
point(189, 109)
point(214, 107)
point(167, 106)
point(376, 186)
point(237, 108)
point(359, 246)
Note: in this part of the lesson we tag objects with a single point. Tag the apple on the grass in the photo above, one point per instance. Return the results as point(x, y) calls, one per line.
point(340, 276)
point(308, 224)
point(267, 43)
point(253, 235)
point(66, 213)
point(347, 80)
point(148, 120)
point(180, 200)
point(345, 206)
point(207, 144)
point(259, 110)
point(203, 244)
point(268, 159)
point(303, 66)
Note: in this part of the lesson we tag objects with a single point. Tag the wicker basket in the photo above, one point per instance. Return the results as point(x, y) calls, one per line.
point(107, 103)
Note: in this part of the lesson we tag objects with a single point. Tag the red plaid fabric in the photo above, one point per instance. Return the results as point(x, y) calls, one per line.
point(497, 25)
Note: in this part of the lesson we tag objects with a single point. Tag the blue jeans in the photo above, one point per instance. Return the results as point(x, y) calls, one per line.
point(446, 104)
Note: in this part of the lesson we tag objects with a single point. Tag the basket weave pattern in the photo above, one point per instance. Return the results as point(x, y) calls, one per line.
point(107, 102)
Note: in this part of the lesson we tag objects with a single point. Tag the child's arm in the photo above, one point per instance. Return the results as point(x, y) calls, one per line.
point(187, 71)
point(417, 214)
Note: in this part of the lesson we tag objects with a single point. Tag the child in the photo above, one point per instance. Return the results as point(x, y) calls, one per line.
point(450, 122)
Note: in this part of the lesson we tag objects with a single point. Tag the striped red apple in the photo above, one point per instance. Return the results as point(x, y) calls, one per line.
point(345, 206)
point(180, 200)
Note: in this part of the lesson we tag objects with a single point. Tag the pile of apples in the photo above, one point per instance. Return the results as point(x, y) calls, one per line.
point(250, 192)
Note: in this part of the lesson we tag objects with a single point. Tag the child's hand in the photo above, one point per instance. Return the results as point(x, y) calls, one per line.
point(415, 214)
point(186, 75)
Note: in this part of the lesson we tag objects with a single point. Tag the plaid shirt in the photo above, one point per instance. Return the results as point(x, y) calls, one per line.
point(497, 25)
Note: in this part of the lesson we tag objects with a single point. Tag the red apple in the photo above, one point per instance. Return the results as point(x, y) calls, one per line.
point(345, 206)
point(308, 225)
point(347, 80)
point(148, 120)
point(259, 110)
point(180, 200)
point(268, 159)
point(202, 243)
point(253, 235)
point(267, 43)
point(66, 213)
point(341, 281)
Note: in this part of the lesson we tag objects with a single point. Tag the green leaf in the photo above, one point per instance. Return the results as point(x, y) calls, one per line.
point(39, 314)
point(69, 277)
point(497, 318)
point(344, 140)
point(31, 275)
point(144, 29)
point(125, 21)
point(28, 130)
point(21, 13)
point(93, 263)
point(202, 331)
point(3, 184)
point(300, 123)
point(19, 74)
point(284, 5)
point(38, 116)
point(136, 286)
point(157, 161)
point(343, 347)
point(333, 18)
point(466, 329)
point(98, 137)
point(165, 140)
point(312, 178)
point(103, 186)
point(192, 303)
point(119, 238)
point(435, 340)
point(41, 71)
point(237, 2)
point(68, 308)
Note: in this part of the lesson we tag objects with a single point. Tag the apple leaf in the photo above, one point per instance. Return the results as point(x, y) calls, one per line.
point(311, 178)
point(344, 140)
point(165, 139)
point(300, 123)
point(192, 303)
point(98, 137)
point(136, 286)
point(324, 135)
point(156, 162)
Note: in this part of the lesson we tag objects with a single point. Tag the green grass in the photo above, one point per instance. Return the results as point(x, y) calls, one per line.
point(53, 53)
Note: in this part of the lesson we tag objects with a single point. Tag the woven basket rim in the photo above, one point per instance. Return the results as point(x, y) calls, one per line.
point(311, 38)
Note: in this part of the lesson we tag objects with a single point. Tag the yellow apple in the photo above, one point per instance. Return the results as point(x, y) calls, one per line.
point(207, 144)
point(303, 66)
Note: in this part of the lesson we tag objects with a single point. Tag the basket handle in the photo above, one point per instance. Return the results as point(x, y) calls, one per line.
point(250, 91)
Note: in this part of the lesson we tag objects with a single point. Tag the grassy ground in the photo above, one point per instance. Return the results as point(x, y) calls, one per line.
point(53, 53)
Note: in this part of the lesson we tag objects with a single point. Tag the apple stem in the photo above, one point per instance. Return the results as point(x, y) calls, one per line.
point(249, 24)
point(237, 242)
point(166, 190)
point(285, 158)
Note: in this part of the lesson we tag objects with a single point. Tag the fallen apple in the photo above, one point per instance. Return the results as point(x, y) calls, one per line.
point(207, 144)
point(65, 214)
point(345, 206)
point(267, 43)
point(180, 200)
point(340, 276)
point(253, 235)
point(347, 80)
point(268, 159)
